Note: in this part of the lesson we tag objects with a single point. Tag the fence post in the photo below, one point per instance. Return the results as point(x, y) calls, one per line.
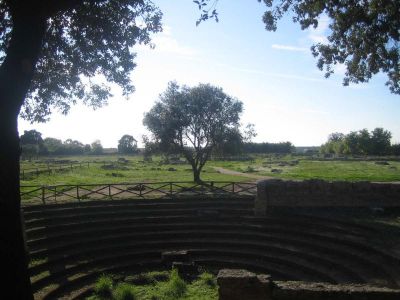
point(233, 187)
point(77, 193)
point(170, 189)
point(43, 198)
point(109, 191)
point(55, 194)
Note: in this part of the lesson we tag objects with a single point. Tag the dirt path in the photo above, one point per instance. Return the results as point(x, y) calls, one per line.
point(236, 173)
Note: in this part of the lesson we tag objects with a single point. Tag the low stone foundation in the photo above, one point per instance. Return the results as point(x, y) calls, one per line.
point(244, 285)
point(241, 284)
point(320, 193)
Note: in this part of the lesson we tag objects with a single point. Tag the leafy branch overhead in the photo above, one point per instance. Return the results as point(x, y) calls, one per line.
point(208, 10)
point(364, 36)
point(86, 48)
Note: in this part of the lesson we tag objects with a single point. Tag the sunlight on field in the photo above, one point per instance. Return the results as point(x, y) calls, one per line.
point(120, 169)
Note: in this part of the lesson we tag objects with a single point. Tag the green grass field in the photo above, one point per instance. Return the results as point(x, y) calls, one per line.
point(300, 168)
point(107, 169)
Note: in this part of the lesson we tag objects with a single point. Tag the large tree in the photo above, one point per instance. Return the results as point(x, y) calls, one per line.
point(31, 143)
point(380, 141)
point(127, 144)
point(193, 121)
point(52, 55)
point(363, 35)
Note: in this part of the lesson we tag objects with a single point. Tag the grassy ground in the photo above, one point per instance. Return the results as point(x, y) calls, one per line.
point(300, 168)
point(106, 169)
point(164, 285)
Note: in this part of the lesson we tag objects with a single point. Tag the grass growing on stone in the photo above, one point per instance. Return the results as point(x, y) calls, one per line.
point(164, 285)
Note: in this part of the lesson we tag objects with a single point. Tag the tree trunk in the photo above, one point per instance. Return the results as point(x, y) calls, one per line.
point(196, 175)
point(16, 73)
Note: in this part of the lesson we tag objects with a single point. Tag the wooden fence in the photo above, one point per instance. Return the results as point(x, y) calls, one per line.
point(87, 192)
point(26, 173)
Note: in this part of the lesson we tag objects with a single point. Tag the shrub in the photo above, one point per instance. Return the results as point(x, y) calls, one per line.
point(176, 286)
point(124, 291)
point(208, 279)
point(103, 287)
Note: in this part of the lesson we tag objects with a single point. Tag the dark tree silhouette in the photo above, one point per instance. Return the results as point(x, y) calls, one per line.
point(193, 121)
point(31, 143)
point(49, 53)
point(127, 144)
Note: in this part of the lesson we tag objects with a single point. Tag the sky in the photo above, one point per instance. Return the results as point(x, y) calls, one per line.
point(274, 74)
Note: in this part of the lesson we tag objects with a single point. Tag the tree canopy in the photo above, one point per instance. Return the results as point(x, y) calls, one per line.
point(86, 46)
point(127, 144)
point(193, 121)
point(363, 35)
point(362, 142)
point(31, 143)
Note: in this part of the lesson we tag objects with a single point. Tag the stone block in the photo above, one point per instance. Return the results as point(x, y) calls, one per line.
point(361, 186)
point(237, 284)
point(169, 257)
point(298, 290)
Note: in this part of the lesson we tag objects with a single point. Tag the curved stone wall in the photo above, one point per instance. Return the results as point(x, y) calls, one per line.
point(320, 193)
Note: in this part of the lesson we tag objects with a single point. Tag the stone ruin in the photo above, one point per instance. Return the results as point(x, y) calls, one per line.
point(238, 284)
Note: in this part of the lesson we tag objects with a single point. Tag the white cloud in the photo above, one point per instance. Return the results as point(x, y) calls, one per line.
point(165, 43)
point(318, 38)
point(289, 48)
point(167, 30)
point(314, 111)
point(280, 75)
point(339, 69)
point(319, 34)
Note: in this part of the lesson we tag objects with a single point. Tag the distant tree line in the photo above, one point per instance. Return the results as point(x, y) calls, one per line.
point(32, 144)
point(362, 142)
point(283, 147)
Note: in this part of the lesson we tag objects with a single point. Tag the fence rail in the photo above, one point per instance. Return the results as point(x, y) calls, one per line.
point(86, 192)
point(24, 173)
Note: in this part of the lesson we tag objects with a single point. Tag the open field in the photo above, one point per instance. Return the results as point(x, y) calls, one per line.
point(108, 169)
point(301, 168)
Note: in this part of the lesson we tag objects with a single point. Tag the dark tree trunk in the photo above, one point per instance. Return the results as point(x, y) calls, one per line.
point(16, 74)
point(196, 176)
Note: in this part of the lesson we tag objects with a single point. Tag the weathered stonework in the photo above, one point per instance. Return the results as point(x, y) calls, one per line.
point(169, 257)
point(244, 285)
point(298, 290)
point(319, 193)
point(241, 284)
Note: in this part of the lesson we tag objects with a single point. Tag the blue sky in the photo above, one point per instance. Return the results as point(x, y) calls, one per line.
point(272, 73)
